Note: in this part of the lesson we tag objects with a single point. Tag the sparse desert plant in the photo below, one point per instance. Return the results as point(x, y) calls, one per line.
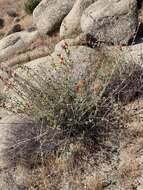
point(70, 104)
point(30, 5)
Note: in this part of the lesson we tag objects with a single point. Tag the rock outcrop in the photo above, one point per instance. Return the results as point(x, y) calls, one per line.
point(49, 14)
point(111, 21)
point(78, 57)
point(129, 54)
point(71, 24)
point(15, 43)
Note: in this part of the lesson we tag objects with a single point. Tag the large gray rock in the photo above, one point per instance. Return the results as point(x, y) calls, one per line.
point(79, 57)
point(129, 54)
point(71, 23)
point(110, 20)
point(15, 43)
point(49, 14)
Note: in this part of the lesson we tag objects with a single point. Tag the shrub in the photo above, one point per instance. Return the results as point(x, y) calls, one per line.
point(30, 5)
point(72, 105)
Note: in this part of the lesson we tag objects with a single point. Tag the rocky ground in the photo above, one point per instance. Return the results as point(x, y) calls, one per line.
point(91, 38)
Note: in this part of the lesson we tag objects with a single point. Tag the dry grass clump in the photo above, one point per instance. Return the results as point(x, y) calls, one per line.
point(93, 183)
point(66, 169)
point(126, 83)
point(57, 171)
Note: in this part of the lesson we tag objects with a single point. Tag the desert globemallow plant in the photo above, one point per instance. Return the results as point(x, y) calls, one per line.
point(69, 104)
point(30, 5)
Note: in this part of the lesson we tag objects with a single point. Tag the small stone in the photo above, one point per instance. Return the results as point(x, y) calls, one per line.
point(31, 29)
point(17, 19)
